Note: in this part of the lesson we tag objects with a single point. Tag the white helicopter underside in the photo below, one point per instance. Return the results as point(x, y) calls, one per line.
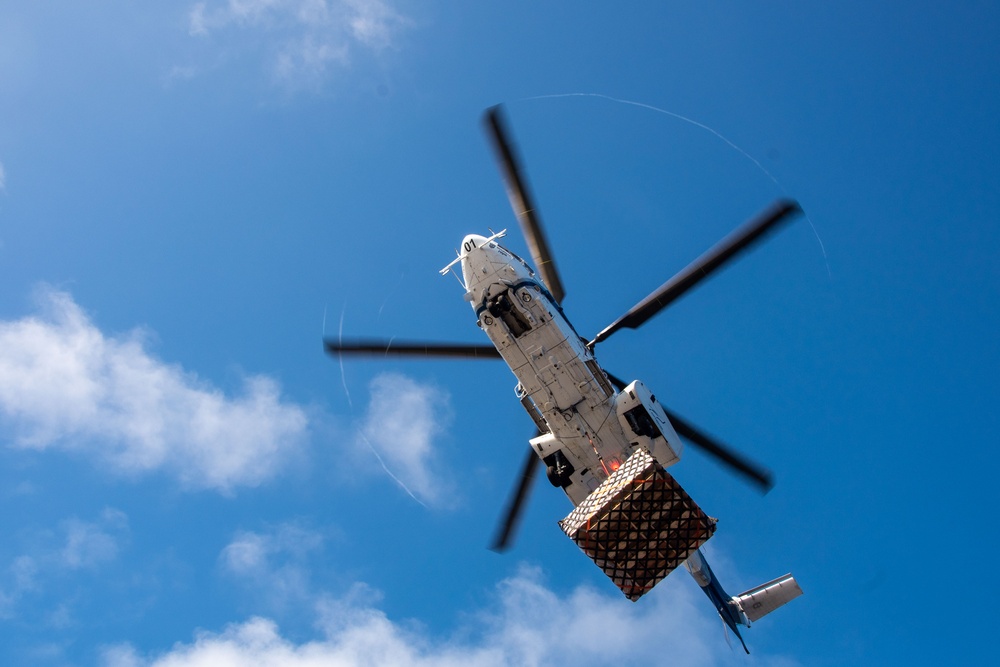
point(608, 451)
point(560, 384)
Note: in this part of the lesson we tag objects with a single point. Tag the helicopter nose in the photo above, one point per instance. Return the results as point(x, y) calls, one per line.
point(471, 242)
point(475, 263)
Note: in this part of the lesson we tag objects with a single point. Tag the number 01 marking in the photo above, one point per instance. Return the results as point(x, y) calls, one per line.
point(470, 246)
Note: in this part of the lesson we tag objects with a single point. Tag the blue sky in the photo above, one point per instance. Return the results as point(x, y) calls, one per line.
point(191, 194)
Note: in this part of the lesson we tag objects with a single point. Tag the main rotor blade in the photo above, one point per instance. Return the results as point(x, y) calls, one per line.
point(702, 267)
point(522, 202)
point(512, 512)
point(723, 454)
point(393, 348)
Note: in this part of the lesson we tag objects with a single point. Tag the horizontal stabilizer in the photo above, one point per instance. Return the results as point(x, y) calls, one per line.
point(762, 600)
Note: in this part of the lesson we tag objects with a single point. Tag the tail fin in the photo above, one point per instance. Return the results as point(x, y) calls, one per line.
point(747, 607)
point(762, 600)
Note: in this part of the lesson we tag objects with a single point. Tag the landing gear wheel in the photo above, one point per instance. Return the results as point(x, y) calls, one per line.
point(558, 470)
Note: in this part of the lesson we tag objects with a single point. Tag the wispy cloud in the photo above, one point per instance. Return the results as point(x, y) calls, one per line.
point(66, 385)
point(275, 563)
point(18, 579)
point(402, 424)
point(76, 546)
point(525, 623)
point(373, 22)
point(91, 544)
point(302, 41)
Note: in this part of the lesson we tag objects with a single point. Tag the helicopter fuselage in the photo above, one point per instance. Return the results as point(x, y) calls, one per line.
point(586, 428)
point(608, 450)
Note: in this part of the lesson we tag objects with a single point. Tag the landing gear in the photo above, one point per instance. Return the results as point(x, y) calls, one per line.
point(558, 469)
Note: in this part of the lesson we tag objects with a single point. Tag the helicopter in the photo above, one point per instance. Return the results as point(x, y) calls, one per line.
point(605, 442)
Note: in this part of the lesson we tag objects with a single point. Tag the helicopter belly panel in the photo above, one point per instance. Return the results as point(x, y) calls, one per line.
point(552, 369)
point(536, 344)
point(557, 381)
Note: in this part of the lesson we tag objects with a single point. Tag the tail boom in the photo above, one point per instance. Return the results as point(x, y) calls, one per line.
point(747, 607)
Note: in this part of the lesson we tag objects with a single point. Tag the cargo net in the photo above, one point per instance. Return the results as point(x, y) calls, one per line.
point(638, 525)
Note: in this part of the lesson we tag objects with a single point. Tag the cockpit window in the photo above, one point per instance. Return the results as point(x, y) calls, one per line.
point(523, 263)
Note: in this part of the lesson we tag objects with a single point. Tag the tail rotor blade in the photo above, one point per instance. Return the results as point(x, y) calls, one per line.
point(522, 202)
point(512, 512)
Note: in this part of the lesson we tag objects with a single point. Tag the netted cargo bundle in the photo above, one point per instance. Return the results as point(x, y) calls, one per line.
point(638, 525)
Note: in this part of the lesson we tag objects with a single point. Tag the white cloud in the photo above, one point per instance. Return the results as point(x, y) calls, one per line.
point(402, 422)
point(274, 563)
point(372, 22)
point(66, 385)
point(252, 554)
point(3, 178)
point(247, 554)
point(90, 544)
point(20, 579)
point(302, 40)
point(76, 546)
point(526, 623)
